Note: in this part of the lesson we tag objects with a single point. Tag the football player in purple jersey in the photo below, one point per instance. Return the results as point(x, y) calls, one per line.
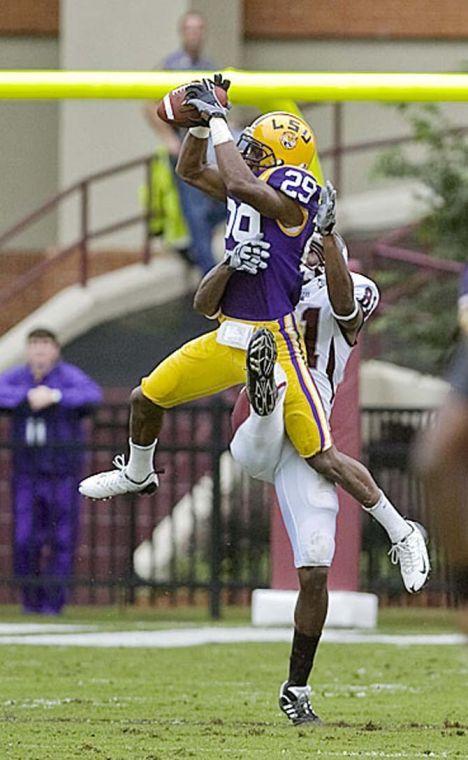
point(269, 192)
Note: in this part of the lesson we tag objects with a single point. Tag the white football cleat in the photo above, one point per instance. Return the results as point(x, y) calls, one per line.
point(411, 554)
point(116, 482)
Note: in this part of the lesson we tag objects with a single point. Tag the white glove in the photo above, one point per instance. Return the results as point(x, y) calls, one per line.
point(250, 256)
point(326, 214)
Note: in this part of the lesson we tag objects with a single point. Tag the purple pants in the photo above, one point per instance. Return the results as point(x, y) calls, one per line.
point(46, 515)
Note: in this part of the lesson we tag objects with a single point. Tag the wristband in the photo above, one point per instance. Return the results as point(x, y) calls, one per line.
point(220, 132)
point(348, 317)
point(201, 132)
point(213, 316)
point(56, 396)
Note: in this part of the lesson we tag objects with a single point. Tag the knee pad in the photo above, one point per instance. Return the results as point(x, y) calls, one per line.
point(239, 452)
point(317, 547)
point(253, 459)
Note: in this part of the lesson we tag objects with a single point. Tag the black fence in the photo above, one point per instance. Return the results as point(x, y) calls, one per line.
point(204, 535)
point(388, 438)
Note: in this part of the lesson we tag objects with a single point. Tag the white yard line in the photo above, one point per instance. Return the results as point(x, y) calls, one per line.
point(379, 753)
point(210, 635)
point(20, 628)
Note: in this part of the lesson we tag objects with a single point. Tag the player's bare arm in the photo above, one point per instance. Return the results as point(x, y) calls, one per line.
point(193, 168)
point(340, 289)
point(240, 182)
point(211, 289)
point(339, 283)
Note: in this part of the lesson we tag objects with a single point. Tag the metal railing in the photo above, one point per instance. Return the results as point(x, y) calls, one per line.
point(204, 536)
point(339, 150)
point(40, 282)
point(82, 189)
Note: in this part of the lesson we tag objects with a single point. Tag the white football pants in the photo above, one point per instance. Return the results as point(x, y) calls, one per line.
point(308, 502)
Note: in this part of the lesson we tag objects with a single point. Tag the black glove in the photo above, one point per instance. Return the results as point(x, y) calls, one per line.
point(202, 96)
point(218, 81)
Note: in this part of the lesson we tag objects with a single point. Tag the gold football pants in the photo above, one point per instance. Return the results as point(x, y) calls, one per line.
point(203, 367)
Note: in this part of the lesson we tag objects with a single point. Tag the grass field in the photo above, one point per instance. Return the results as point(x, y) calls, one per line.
point(220, 700)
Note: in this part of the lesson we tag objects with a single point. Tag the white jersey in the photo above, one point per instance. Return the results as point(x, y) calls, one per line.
point(328, 350)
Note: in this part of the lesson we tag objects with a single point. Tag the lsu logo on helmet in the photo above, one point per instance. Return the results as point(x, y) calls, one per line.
point(275, 139)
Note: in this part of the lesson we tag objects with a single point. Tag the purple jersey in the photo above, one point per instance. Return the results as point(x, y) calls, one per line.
point(275, 291)
point(37, 435)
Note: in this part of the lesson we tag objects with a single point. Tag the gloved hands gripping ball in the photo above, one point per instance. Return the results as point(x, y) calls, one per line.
point(209, 98)
point(176, 109)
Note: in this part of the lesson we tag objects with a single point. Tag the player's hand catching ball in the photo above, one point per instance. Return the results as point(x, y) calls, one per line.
point(202, 96)
point(326, 214)
point(251, 256)
point(219, 81)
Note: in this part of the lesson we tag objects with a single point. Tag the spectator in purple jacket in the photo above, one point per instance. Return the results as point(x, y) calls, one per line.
point(47, 398)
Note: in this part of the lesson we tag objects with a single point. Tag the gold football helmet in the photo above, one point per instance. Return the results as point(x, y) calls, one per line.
point(275, 139)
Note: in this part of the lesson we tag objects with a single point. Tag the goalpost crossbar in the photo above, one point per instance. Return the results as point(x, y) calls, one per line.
point(248, 87)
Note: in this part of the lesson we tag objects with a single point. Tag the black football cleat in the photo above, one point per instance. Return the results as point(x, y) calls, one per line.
point(294, 701)
point(261, 385)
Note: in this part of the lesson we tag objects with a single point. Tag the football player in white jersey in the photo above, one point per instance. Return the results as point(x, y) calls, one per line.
point(308, 501)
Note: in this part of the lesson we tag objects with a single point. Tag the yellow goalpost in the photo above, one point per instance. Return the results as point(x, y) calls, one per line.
point(248, 87)
point(267, 90)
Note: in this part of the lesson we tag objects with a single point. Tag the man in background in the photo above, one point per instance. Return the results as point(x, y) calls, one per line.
point(442, 458)
point(201, 213)
point(47, 399)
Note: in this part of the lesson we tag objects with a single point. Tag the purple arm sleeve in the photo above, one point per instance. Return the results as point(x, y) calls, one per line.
point(13, 389)
point(78, 390)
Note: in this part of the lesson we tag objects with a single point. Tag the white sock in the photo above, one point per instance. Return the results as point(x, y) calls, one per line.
point(389, 518)
point(140, 463)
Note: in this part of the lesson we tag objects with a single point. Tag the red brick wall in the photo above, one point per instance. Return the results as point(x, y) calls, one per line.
point(419, 19)
point(29, 17)
point(64, 272)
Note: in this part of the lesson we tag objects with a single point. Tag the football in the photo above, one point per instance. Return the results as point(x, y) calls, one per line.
point(173, 111)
